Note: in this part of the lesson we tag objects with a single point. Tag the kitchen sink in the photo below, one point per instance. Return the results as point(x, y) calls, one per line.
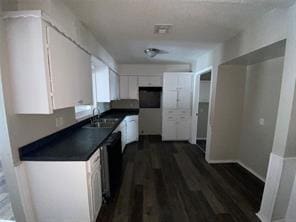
point(104, 123)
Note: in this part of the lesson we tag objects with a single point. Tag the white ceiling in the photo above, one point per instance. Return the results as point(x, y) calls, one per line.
point(125, 27)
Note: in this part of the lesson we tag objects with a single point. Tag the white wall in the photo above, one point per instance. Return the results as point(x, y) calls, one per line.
point(24, 129)
point(151, 69)
point(261, 99)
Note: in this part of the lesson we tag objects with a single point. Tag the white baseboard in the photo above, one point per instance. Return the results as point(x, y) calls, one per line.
point(241, 164)
point(251, 171)
point(221, 161)
point(261, 218)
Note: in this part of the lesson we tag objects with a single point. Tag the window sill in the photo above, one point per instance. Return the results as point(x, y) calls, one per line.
point(83, 115)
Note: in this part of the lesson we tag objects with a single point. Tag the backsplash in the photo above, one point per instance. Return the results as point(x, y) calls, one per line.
point(125, 104)
point(103, 107)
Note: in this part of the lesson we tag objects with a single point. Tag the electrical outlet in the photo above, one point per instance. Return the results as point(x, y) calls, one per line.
point(61, 120)
point(57, 122)
point(261, 122)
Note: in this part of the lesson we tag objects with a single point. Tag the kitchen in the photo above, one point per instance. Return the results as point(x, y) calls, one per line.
point(92, 136)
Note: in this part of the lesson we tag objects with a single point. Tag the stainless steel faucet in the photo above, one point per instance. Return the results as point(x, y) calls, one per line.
point(94, 118)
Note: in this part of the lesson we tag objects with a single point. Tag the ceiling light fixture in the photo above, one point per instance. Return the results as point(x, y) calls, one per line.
point(151, 52)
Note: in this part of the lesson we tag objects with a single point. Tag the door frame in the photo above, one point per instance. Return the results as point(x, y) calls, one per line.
point(195, 103)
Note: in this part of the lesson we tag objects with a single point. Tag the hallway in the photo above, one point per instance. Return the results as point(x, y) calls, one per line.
point(172, 182)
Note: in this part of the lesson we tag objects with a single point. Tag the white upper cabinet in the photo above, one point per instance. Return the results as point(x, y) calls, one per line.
point(47, 70)
point(107, 82)
point(177, 90)
point(150, 81)
point(124, 89)
point(70, 69)
point(133, 87)
point(114, 85)
point(129, 88)
point(170, 82)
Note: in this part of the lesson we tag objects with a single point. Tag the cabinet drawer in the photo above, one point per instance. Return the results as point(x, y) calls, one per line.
point(169, 112)
point(177, 112)
point(171, 117)
point(183, 118)
point(183, 112)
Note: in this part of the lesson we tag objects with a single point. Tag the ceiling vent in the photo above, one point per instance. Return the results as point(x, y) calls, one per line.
point(162, 29)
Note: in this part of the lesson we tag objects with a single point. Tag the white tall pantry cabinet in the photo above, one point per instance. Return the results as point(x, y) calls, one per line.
point(48, 71)
point(176, 104)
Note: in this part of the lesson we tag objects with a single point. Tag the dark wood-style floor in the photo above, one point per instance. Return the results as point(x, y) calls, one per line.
point(171, 182)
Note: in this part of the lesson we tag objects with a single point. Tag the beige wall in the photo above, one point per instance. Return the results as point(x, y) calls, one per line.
point(227, 120)
point(261, 99)
point(150, 121)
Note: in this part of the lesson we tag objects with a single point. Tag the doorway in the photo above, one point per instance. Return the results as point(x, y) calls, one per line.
point(200, 128)
point(203, 110)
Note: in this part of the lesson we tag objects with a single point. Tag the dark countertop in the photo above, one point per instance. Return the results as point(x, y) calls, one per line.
point(76, 143)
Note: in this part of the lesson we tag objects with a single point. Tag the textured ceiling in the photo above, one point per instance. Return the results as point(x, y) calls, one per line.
point(125, 27)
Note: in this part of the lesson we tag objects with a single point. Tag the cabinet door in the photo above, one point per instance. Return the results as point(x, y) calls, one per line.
point(184, 99)
point(170, 82)
point(103, 84)
point(84, 88)
point(133, 87)
point(117, 87)
point(124, 87)
point(64, 73)
point(150, 81)
point(170, 99)
point(169, 129)
point(184, 81)
point(96, 191)
point(132, 130)
point(113, 79)
point(183, 128)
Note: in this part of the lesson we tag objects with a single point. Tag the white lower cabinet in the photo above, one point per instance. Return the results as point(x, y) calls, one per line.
point(65, 191)
point(96, 191)
point(132, 125)
point(129, 129)
point(176, 125)
point(170, 129)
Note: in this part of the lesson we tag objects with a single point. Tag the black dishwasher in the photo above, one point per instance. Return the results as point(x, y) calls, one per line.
point(111, 165)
